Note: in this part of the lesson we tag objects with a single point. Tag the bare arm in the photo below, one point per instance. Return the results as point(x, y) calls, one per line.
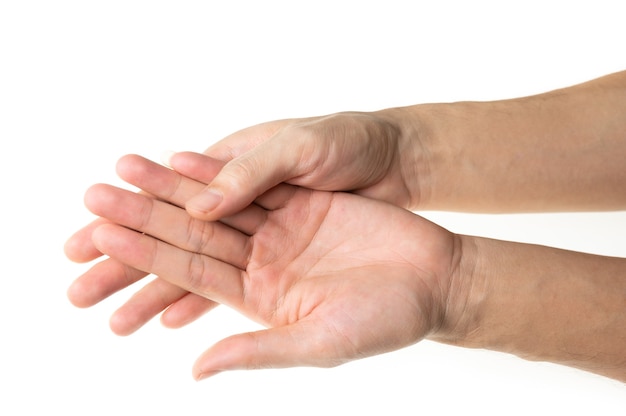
point(561, 150)
point(564, 150)
point(540, 303)
point(410, 276)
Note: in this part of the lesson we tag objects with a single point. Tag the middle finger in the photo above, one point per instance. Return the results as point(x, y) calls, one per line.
point(169, 223)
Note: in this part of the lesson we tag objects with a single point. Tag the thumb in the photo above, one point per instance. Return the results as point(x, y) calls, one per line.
point(245, 178)
point(295, 345)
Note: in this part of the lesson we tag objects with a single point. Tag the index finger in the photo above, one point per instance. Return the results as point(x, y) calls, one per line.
point(243, 140)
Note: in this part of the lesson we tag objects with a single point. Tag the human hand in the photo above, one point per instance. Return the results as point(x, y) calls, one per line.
point(371, 154)
point(367, 153)
point(333, 276)
point(512, 155)
point(109, 276)
point(371, 141)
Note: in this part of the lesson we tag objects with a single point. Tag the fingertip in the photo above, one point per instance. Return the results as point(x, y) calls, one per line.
point(198, 213)
point(132, 166)
point(101, 235)
point(172, 320)
point(93, 195)
point(197, 166)
point(222, 356)
point(121, 326)
point(202, 205)
point(186, 310)
point(74, 294)
point(204, 367)
point(205, 375)
point(125, 161)
point(166, 158)
point(79, 248)
point(72, 250)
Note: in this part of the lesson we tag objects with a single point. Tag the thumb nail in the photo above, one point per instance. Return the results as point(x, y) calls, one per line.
point(206, 201)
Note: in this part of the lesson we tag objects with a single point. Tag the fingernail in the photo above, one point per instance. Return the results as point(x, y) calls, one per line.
point(166, 156)
point(206, 201)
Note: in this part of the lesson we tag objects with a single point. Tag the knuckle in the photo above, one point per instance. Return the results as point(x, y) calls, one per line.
point(171, 190)
point(199, 235)
point(145, 214)
point(196, 277)
point(305, 137)
point(245, 169)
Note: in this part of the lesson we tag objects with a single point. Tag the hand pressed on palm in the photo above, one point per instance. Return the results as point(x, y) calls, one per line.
point(333, 276)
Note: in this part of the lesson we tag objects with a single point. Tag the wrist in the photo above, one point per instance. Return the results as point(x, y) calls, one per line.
point(418, 151)
point(560, 150)
point(440, 146)
point(464, 296)
point(539, 303)
point(452, 143)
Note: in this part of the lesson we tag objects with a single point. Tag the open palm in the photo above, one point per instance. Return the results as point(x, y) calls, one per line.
point(333, 276)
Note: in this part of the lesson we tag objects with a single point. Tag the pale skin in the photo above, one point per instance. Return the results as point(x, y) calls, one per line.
point(555, 151)
point(559, 151)
point(330, 289)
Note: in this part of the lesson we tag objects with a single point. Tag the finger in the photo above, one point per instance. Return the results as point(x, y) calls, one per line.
point(158, 180)
point(193, 165)
point(101, 281)
point(243, 140)
point(196, 166)
point(246, 177)
point(168, 223)
point(300, 344)
point(153, 299)
point(79, 248)
point(200, 274)
point(168, 185)
point(186, 310)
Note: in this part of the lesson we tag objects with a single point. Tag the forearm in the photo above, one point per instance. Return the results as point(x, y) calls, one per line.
point(540, 303)
point(563, 150)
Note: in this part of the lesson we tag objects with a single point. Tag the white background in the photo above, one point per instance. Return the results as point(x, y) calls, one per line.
point(84, 82)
